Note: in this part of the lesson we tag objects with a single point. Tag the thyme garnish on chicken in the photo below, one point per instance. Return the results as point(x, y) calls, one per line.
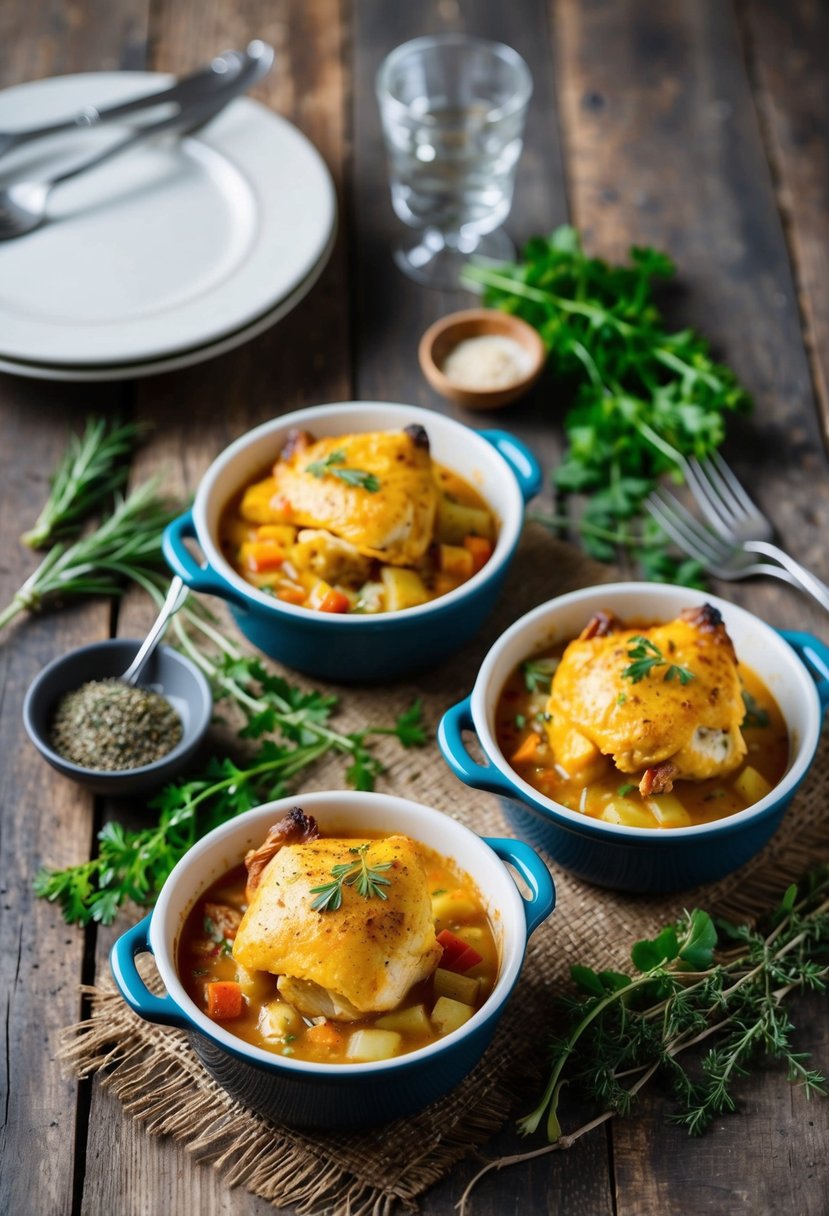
point(333, 465)
point(368, 880)
point(645, 655)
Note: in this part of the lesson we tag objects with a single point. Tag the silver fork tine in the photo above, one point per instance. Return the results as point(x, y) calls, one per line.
point(734, 484)
point(686, 531)
point(712, 495)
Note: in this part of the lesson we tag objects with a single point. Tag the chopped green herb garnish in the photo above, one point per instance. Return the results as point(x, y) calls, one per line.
point(210, 929)
point(645, 655)
point(368, 880)
point(520, 721)
point(440, 891)
point(334, 466)
point(755, 715)
point(622, 697)
point(626, 789)
point(538, 673)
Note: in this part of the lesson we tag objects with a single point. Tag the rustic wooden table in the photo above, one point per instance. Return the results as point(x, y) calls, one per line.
point(699, 126)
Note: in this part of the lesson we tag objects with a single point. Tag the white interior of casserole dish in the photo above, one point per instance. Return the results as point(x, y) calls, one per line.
point(756, 644)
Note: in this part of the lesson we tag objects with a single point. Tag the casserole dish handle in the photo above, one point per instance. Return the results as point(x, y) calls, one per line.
point(532, 869)
point(520, 459)
point(815, 655)
point(450, 741)
point(135, 992)
point(181, 562)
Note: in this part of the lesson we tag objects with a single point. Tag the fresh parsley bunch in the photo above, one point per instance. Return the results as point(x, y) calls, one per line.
point(642, 397)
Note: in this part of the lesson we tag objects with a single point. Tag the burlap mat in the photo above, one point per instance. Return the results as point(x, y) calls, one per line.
point(161, 1083)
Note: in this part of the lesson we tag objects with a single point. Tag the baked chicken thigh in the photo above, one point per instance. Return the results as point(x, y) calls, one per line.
point(341, 962)
point(680, 719)
point(375, 490)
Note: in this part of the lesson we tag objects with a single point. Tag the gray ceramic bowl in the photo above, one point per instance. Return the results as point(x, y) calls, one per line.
point(167, 672)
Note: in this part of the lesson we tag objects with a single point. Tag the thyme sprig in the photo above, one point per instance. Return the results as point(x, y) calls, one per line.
point(645, 655)
point(368, 880)
point(334, 466)
point(701, 981)
point(91, 469)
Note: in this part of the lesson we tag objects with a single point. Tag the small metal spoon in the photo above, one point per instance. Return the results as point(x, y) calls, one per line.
point(23, 204)
point(175, 598)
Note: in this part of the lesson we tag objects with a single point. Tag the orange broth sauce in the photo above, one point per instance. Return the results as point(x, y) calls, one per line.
point(521, 711)
point(287, 580)
point(204, 956)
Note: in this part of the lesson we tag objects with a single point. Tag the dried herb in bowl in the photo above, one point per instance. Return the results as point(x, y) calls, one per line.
point(109, 726)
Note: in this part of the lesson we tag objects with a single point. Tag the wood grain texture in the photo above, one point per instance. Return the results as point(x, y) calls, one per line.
point(390, 311)
point(46, 820)
point(664, 148)
point(786, 50)
point(194, 414)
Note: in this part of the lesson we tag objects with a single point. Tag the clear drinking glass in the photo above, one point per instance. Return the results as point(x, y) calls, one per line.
point(453, 110)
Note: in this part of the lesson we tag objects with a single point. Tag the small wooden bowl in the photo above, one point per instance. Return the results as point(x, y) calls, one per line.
point(444, 336)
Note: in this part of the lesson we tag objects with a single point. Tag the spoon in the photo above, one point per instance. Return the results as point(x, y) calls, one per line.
point(23, 204)
point(198, 86)
point(176, 596)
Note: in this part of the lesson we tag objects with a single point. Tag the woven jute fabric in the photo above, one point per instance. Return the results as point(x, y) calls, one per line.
point(161, 1083)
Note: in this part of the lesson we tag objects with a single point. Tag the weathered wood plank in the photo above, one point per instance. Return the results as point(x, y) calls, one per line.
point(767, 1157)
point(390, 311)
point(664, 148)
point(45, 818)
point(194, 414)
point(786, 50)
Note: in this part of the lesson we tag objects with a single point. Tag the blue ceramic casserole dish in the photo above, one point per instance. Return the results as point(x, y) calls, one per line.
point(794, 667)
point(304, 1094)
point(356, 647)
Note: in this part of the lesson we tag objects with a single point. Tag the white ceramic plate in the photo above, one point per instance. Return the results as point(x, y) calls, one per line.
point(170, 247)
point(152, 367)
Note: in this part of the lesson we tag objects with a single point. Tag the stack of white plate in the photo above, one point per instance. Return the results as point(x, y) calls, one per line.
point(168, 255)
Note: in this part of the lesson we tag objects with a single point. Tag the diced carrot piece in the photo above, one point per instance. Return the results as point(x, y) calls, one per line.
point(458, 955)
point(263, 555)
point(224, 1000)
point(325, 1035)
point(292, 595)
point(334, 601)
point(480, 548)
point(527, 749)
point(443, 584)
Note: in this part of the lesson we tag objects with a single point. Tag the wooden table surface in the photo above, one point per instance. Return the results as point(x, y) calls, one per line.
point(701, 127)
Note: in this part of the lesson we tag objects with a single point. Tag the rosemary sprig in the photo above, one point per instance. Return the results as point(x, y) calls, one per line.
point(126, 543)
point(333, 465)
point(368, 880)
point(93, 467)
point(645, 655)
point(624, 1030)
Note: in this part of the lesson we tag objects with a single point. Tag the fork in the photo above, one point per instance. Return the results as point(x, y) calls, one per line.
point(736, 517)
point(725, 559)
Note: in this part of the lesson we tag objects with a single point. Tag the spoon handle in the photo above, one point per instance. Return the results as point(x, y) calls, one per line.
point(176, 596)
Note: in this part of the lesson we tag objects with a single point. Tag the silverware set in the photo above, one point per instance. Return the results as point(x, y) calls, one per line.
point(737, 534)
point(194, 101)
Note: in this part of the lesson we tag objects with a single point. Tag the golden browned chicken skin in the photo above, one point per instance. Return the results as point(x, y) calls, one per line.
point(394, 523)
point(362, 957)
point(660, 727)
